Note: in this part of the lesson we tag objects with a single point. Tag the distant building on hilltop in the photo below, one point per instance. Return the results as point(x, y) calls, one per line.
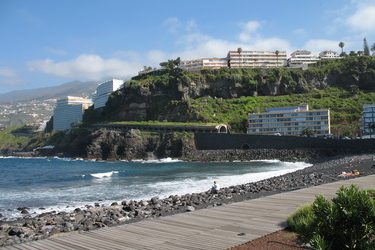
point(104, 90)
point(290, 121)
point(197, 65)
point(329, 55)
point(301, 59)
point(69, 111)
point(368, 121)
point(256, 59)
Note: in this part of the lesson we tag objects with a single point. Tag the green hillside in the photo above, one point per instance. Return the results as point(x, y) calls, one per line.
point(228, 95)
point(345, 107)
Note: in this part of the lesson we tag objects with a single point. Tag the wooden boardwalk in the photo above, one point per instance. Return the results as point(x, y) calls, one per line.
point(212, 228)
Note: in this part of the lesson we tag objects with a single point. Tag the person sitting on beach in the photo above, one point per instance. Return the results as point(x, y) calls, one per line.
point(351, 173)
point(214, 188)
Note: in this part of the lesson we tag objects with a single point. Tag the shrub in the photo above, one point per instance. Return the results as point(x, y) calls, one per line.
point(302, 221)
point(346, 222)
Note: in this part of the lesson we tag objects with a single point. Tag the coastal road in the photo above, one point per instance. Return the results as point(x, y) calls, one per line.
point(212, 228)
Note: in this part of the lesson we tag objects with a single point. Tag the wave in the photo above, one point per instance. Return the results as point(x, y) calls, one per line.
point(22, 157)
point(162, 160)
point(104, 175)
point(192, 185)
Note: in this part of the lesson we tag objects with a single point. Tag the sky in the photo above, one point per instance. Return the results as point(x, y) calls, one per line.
point(45, 43)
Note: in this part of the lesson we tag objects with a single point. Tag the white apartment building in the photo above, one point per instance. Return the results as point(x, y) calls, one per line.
point(368, 121)
point(302, 58)
point(290, 121)
point(204, 63)
point(329, 55)
point(104, 90)
point(256, 59)
point(68, 111)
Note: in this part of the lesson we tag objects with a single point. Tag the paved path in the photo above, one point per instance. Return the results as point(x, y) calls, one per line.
point(212, 228)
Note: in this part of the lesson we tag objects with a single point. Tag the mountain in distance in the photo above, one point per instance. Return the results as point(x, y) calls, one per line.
point(75, 88)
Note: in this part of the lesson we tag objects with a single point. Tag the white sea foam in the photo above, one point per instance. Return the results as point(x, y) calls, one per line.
point(195, 186)
point(22, 157)
point(267, 161)
point(163, 160)
point(104, 175)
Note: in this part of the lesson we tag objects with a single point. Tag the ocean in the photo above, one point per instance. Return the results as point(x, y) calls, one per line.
point(62, 184)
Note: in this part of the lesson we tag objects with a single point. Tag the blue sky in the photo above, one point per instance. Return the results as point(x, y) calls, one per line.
point(45, 43)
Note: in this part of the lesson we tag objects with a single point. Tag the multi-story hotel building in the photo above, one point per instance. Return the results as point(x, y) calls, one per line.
point(204, 63)
point(329, 55)
point(302, 58)
point(69, 111)
point(290, 121)
point(104, 90)
point(368, 121)
point(256, 59)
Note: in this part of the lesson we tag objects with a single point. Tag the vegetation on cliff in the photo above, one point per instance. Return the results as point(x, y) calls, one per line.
point(228, 95)
point(10, 139)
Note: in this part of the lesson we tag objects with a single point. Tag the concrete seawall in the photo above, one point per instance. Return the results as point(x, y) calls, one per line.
point(204, 141)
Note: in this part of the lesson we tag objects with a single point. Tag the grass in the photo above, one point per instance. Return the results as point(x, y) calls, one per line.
point(346, 108)
point(10, 140)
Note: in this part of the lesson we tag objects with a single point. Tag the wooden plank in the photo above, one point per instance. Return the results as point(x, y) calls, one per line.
point(48, 244)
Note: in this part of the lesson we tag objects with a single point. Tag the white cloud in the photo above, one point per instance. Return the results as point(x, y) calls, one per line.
point(251, 26)
point(9, 77)
point(363, 19)
point(156, 56)
point(318, 45)
point(248, 30)
point(172, 24)
point(87, 67)
point(191, 26)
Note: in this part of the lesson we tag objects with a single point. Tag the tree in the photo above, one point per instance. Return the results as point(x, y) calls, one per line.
point(372, 129)
point(307, 132)
point(341, 45)
point(170, 65)
point(373, 48)
point(355, 89)
point(352, 53)
point(239, 51)
point(277, 58)
point(366, 49)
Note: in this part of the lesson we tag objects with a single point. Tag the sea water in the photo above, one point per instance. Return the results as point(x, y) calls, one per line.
point(62, 184)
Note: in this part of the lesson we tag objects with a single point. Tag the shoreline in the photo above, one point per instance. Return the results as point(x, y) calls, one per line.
point(97, 216)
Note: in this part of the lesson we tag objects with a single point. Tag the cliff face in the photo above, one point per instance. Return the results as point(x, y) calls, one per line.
point(166, 94)
point(116, 145)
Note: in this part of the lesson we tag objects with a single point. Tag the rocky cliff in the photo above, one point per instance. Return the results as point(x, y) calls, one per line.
point(167, 94)
point(105, 144)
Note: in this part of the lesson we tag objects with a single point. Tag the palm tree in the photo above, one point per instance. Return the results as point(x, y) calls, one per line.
point(239, 51)
point(341, 45)
point(277, 58)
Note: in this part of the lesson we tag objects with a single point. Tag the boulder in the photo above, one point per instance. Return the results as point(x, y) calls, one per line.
point(190, 209)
